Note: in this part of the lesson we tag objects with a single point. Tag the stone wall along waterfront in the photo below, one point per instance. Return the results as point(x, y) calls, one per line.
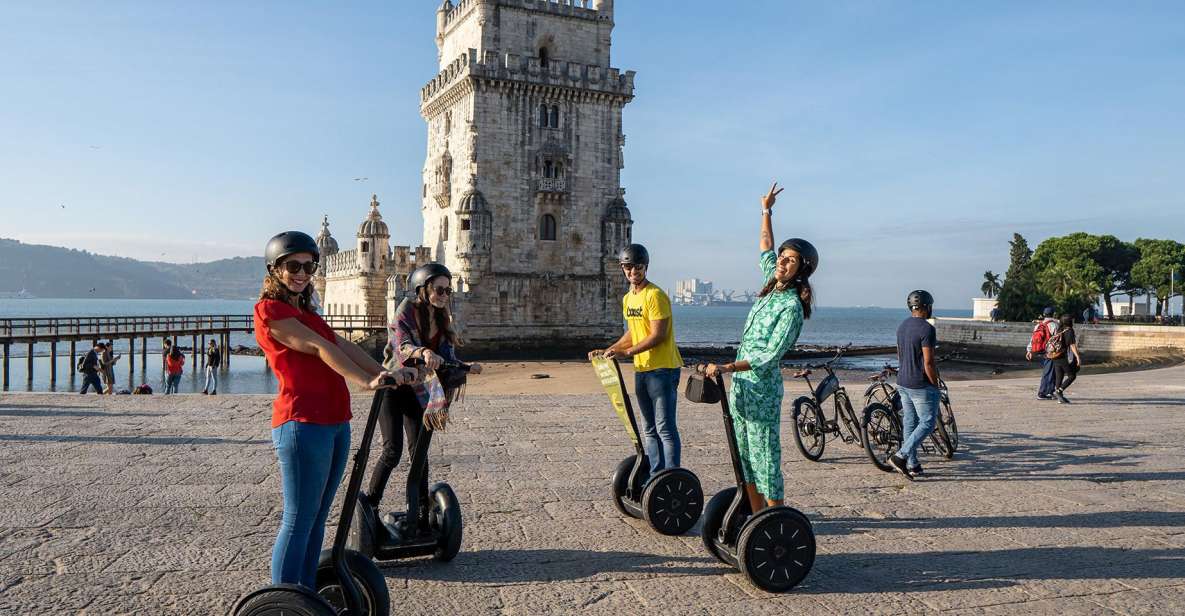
point(1103, 341)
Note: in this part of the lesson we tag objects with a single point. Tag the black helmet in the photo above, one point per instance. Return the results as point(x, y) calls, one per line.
point(426, 272)
point(289, 243)
point(806, 250)
point(634, 254)
point(919, 299)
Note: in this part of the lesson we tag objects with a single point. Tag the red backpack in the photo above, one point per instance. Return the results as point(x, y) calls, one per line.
point(1040, 337)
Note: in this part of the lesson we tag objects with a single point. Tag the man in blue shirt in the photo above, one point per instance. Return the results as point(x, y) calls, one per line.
point(917, 382)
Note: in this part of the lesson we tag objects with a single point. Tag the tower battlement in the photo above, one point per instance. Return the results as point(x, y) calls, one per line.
point(529, 70)
point(579, 9)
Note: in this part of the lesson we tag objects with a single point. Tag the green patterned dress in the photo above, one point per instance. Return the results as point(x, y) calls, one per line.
point(756, 396)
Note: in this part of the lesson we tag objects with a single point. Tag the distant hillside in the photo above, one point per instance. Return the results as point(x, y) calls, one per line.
point(50, 271)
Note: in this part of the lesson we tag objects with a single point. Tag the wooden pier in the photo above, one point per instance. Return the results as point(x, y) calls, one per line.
point(142, 329)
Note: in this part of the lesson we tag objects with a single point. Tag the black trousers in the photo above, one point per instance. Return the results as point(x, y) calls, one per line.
point(1063, 373)
point(399, 407)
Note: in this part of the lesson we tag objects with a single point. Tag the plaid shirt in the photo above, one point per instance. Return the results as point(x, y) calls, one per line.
point(403, 341)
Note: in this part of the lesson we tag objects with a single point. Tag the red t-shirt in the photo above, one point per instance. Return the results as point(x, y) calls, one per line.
point(310, 391)
point(174, 365)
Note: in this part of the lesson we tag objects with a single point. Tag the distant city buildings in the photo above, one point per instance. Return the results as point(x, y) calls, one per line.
point(696, 292)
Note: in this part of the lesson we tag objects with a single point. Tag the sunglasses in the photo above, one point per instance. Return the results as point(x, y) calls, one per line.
point(442, 290)
point(632, 266)
point(293, 267)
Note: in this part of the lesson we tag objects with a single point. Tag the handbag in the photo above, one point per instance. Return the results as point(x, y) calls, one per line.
point(702, 390)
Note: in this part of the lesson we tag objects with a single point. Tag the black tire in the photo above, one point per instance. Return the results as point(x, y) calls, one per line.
point(362, 529)
point(847, 417)
point(714, 513)
point(290, 601)
point(673, 501)
point(938, 438)
point(776, 549)
point(881, 435)
point(946, 419)
point(621, 478)
point(809, 433)
point(445, 519)
point(376, 598)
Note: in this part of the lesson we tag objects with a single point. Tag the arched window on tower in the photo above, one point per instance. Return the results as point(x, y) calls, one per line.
point(547, 228)
point(548, 169)
point(544, 57)
point(365, 246)
point(444, 230)
point(543, 116)
point(448, 122)
point(554, 120)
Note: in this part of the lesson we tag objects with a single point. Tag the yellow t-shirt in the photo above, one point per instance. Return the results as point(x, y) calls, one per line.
point(640, 309)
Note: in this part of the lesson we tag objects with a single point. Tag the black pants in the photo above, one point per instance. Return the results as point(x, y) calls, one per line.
point(1063, 373)
point(399, 406)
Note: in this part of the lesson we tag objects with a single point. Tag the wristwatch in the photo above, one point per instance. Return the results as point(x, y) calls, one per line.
point(767, 210)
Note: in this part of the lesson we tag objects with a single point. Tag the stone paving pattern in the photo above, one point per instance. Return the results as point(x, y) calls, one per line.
point(146, 505)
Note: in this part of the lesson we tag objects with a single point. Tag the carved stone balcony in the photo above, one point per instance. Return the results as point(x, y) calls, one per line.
point(552, 185)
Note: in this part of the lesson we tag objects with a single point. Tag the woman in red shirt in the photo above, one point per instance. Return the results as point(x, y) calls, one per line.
point(311, 413)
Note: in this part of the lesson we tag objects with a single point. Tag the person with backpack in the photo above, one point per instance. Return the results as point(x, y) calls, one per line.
point(1042, 331)
point(213, 362)
point(174, 365)
point(1063, 353)
point(88, 366)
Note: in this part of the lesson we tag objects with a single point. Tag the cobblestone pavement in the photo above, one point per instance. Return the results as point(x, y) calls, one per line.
point(145, 505)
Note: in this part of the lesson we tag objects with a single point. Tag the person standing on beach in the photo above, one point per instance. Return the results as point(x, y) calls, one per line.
point(1042, 331)
point(213, 361)
point(89, 367)
point(174, 366)
point(1063, 353)
point(771, 329)
point(650, 340)
point(166, 347)
point(917, 382)
point(108, 362)
point(311, 413)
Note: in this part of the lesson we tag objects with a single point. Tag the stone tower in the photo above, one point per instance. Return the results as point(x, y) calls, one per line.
point(522, 195)
point(373, 251)
point(328, 247)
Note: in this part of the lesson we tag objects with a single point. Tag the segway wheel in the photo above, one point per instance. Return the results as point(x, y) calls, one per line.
point(809, 429)
point(776, 549)
point(376, 598)
point(673, 501)
point(621, 480)
point(283, 600)
point(362, 529)
point(714, 513)
point(446, 522)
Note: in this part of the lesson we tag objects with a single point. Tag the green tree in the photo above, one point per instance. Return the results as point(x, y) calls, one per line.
point(1020, 297)
point(1117, 258)
point(1154, 270)
point(1067, 269)
point(991, 284)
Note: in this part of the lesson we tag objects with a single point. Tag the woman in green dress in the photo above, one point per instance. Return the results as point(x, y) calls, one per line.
point(771, 329)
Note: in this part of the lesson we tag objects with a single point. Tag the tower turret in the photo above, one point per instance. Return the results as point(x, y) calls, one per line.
point(441, 22)
point(475, 233)
point(373, 240)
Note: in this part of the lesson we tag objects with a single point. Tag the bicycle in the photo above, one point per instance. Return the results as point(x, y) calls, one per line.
point(881, 426)
point(811, 427)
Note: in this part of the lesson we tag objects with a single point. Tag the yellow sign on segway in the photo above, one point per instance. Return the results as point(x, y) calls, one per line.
point(610, 377)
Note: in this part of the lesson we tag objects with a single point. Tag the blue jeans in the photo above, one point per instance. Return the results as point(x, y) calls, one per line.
point(211, 379)
point(172, 382)
point(1047, 384)
point(919, 411)
point(657, 390)
point(312, 461)
point(91, 379)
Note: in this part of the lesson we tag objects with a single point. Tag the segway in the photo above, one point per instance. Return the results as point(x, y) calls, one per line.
point(348, 583)
point(404, 534)
point(670, 501)
point(774, 549)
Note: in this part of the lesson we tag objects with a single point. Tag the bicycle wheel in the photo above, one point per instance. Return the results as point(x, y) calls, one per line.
point(847, 416)
point(808, 429)
point(946, 419)
point(882, 435)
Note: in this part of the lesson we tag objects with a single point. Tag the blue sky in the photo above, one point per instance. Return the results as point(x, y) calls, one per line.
point(913, 137)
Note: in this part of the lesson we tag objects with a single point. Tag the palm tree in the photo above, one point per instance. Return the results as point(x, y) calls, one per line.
point(991, 284)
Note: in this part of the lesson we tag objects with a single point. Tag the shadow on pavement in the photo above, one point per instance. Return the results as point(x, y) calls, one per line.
point(1109, 519)
point(528, 565)
point(1010, 456)
point(127, 440)
point(24, 411)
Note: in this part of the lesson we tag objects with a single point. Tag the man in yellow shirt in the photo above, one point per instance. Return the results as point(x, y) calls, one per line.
point(650, 340)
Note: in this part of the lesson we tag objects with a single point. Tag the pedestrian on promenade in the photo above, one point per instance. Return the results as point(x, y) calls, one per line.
point(649, 339)
point(90, 367)
point(213, 361)
point(166, 347)
point(771, 329)
point(311, 412)
point(1045, 327)
point(174, 366)
point(917, 382)
point(423, 330)
point(107, 363)
point(1063, 353)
